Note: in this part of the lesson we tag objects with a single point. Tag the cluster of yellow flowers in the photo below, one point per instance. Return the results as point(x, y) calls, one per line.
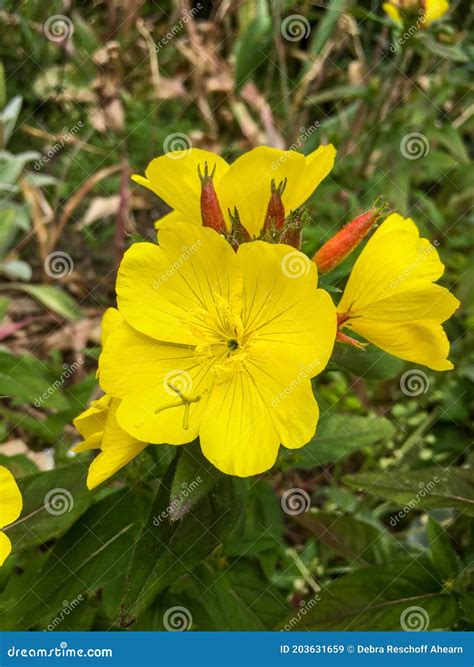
point(221, 326)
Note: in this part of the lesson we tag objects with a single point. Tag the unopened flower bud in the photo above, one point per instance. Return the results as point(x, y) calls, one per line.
point(211, 213)
point(275, 216)
point(345, 241)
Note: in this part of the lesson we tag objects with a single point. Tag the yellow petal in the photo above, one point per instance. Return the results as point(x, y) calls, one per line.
point(118, 449)
point(164, 291)
point(435, 9)
point(149, 378)
point(393, 12)
point(288, 396)
point(293, 321)
point(112, 318)
point(91, 422)
point(173, 216)
point(394, 260)
point(420, 342)
point(174, 177)
point(11, 502)
point(5, 547)
point(247, 183)
point(237, 432)
point(426, 302)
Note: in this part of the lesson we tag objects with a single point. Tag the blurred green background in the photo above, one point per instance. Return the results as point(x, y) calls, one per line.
point(90, 93)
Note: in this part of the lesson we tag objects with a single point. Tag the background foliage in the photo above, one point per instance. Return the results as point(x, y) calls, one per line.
point(389, 476)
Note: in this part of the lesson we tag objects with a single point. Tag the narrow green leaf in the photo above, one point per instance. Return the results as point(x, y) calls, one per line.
point(53, 298)
point(443, 556)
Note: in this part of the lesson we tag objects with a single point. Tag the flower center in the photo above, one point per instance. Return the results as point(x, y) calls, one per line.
point(233, 344)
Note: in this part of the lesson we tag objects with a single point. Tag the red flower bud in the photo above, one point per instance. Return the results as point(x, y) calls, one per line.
point(334, 251)
point(238, 233)
point(275, 216)
point(211, 213)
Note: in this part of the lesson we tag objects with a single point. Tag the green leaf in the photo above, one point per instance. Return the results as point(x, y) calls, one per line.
point(236, 598)
point(193, 479)
point(443, 556)
point(427, 488)
point(325, 28)
point(394, 596)
point(92, 552)
point(253, 47)
point(167, 550)
point(52, 501)
point(354, 539)
point(52, 297)
point(371, 363)
point(338, 436)
point(29, 379)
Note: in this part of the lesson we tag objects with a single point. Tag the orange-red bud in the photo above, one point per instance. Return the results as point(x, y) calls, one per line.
point(334, 251)
point(275, 216)
point(211, 213)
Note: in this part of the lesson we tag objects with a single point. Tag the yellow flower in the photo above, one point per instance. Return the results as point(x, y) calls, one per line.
point(11, 504)
point(244, 185)
point(419, 12)
point(390, 298)
point(100, 430)
point(217, 344)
